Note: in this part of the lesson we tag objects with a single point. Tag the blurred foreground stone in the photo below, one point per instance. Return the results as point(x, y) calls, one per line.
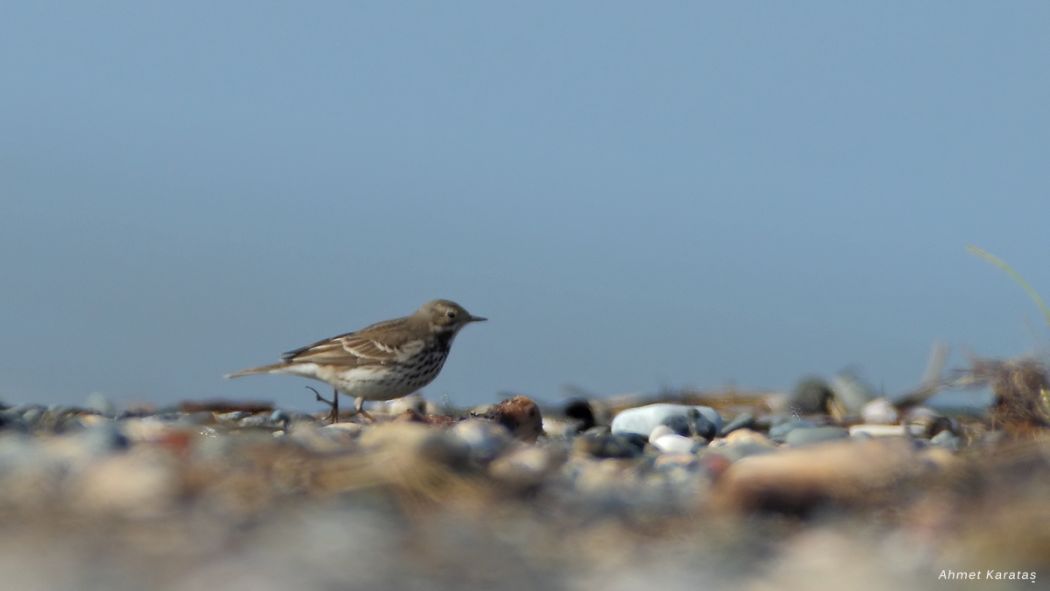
point(673, 495)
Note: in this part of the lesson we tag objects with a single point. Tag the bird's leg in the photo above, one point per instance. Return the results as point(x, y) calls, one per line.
point(359, 407)
point(335, 406)
point(333, 416)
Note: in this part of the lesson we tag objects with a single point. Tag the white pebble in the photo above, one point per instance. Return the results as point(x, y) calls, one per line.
point(674, 444)
point(880, 412)
point(660, 431)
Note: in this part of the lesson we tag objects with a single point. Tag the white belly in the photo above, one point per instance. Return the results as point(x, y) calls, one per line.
point(373, 383)
point(370, 384)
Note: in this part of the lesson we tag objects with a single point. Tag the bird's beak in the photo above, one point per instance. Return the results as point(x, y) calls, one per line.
point(477, 319)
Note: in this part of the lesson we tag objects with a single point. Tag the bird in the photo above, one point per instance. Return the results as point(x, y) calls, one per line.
point(383, 361)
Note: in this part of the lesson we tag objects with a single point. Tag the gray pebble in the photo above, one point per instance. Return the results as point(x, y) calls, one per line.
point(810, 396)
point(679, 424)
point(947, 439)
point(778, 432)
point(12, 422)
point(102, 439)
point(255, 421)
point(198, 418)
point(808, 435)
point(704, 426)
point(98, 402)
point(744, 420)
point(610, 445)
point(230, 417)
point(29, 412)
point(849, 394)
point(485, 439)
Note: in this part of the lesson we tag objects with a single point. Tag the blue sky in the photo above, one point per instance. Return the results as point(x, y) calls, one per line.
point(638, 196)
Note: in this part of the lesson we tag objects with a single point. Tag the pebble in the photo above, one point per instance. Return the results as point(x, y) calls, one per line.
point(201, 417)
point(610, 445)
point(673, 443)
point(213, 449)
point(928, 422)
point(748, 437)
point(329, 438)
point(699, 420)
point(142, 484)
point(598, 481)
point(256, 421)
point(810, 435)
point(527, 466)
point(416, 442)
point(150, 429)
point(30, 413)
point(485, 439)
point(17, 450)
point(54, 418)
point(679, 469)
point(679, 424)
point(659, 432)
point(744, 420)
point(877, 431)
point(98, 402)
point(880, 412)
point(580, 411)
point(940, 458)
point(102, 439)
point(810, 396)
point(351, 430)
point(411, 402)
point(800, 479)
point(677, 477)
point(560, 428)
point(738, 451)
point(12, 421)
point(231, 417)
point(849, 395)
point(778, 432)
point(947, 440)
point(519, 415)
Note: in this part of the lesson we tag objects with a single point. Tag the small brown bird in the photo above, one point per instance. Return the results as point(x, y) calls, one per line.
point(384, 361)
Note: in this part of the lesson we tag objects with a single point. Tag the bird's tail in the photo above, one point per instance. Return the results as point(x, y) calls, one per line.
point(272, 368)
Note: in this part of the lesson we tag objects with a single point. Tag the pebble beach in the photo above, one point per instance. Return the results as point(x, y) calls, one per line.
point(826, 487)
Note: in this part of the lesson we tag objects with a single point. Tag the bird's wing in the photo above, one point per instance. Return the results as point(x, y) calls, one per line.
point(379, 344)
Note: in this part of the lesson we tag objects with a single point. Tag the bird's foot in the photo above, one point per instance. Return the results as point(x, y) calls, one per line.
point(359, 409)
point(333, 416)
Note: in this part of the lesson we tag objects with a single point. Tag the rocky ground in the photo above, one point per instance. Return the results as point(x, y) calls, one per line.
point(826, 487)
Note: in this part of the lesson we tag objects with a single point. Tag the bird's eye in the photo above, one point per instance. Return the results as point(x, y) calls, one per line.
point(450, 314)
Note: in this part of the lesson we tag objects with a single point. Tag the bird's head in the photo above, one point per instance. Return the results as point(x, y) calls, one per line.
point(446, 316)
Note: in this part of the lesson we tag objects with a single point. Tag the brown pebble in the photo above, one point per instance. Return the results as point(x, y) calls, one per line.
point(843, 473)
point(748, 436)
point(520, 415)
